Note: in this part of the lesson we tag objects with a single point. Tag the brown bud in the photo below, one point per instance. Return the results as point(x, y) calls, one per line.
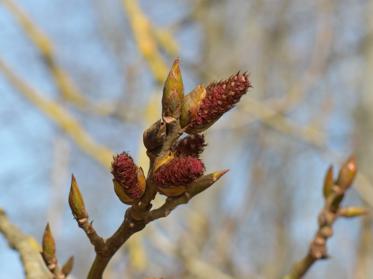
point(328, 182)
point(351, 212)
point(68, 266)
point(76, 201)
point(191, 104)
point(347, 173)
point(154, 136)
point(48, 247)
point(173, 93)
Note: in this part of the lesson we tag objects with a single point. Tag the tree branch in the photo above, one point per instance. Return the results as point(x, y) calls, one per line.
point(27, 247)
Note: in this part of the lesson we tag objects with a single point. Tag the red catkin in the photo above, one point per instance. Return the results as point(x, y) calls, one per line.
point(179, 171)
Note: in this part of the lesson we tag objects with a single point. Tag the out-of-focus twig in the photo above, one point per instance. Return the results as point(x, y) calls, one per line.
point(334, 192)
point(60, 116)
point(44, 45)
point(146, 39)
point(27, 247)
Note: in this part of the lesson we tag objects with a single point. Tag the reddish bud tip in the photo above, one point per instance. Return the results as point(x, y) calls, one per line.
point(192, 145)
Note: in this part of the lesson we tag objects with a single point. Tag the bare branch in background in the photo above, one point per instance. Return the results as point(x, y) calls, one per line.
point(60, 116)
point(334, 193)
point(27, 247)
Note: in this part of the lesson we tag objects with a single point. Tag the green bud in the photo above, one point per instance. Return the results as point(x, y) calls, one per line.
point(76, 201)
point(173, 93)
point(48, 247)
point(204, 182)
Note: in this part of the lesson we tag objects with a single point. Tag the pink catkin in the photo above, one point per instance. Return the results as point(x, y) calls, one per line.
point(191, 145)
point(179, 171)
point(220, 97)
point(124, 171)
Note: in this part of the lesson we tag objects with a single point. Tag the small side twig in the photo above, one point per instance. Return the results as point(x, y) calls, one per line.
point(334, 192)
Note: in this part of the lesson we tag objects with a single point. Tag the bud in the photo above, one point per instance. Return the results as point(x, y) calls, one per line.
point(129, 180)
point(347, 173)
point(48, 247)
point(154, 136)
point(202, 183)
point(68, 266)
point(173, 93)
point(192, 145)
point(173, 177)
point(328, 182)
point(191, 104)
point(220, 98)
point(76, 201)
point(351, 212)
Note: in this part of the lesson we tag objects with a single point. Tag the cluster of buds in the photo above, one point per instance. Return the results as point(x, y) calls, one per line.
point(192, 113)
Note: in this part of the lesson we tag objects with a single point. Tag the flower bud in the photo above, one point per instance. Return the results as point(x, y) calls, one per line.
point(76, 201)
point(347, 173)
point(173, 93)
point(68, 266)
point(220, 98)
point(48, 247)
point(173, 177)
point(192, 145)
point(129, 180)
point(191, 104)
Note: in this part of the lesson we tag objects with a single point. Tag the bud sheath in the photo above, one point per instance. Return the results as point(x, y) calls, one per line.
point(173, 93)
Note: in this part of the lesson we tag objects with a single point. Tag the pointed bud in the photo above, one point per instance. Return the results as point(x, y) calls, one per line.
point(205, 182)
point(173, 177)
point(129, 180)
point(76, 201)
point(173, 93)
point(48, 247)
point(347, 173)
point(220, 98)
point(351, 212)
point(68, 266)
point(192, 145)
point(191, 104)
point(328, 182)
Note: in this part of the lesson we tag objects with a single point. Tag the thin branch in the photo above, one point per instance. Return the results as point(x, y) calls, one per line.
point(334, 193)
point(44, 45)
point(27, 247)
point(60, 116)
point(145, 39)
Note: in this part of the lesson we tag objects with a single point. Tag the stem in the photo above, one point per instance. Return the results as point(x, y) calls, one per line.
point(137, 215)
